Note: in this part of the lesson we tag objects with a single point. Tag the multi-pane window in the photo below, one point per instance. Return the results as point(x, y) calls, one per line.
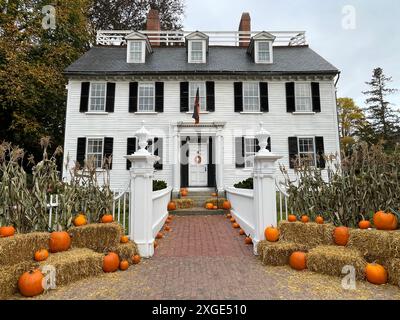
point(264, 54)
point(135, 51)
point(303, 97)
point(146, 97)
point(251, 96)
point(307, 150)
point(97, 96)
point(202, 94)
point(196, 54)
point(249, 152)
point(94, 151)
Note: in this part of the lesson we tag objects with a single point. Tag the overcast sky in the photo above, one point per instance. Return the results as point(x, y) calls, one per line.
point(374, 42)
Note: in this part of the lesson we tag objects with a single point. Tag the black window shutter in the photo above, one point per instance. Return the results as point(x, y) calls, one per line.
point(257, 145)
point(108, 150)
point(158, 151)
point(239, 152)
point(133, 96)
point(210, 89)
point(290, 97)
point(211, 165)
point(110, 99)
point(81, 151)
point(159, 97)
point(269, 144)
point(184, 165)
point(264, 106)
point(85, 87)
point(293, 151)
point(184, 96)
point(131, 148)
point(238, 89)
point(316, 99)
point(320, 151)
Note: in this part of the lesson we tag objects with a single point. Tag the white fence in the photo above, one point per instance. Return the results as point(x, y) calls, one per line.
point(121, 207)
point(160, 211)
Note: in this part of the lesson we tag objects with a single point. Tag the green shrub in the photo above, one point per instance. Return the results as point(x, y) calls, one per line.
point(245, 184)
point(159, 185)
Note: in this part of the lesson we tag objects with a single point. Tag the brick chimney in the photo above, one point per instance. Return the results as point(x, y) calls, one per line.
point(153, 24)
point(245, 25)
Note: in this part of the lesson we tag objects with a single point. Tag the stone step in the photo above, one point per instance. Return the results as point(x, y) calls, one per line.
point(197, 211)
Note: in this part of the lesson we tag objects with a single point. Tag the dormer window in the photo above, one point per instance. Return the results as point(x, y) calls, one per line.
point(197, 45)
point(138, 47)
point(263, 51)
point(196, 52)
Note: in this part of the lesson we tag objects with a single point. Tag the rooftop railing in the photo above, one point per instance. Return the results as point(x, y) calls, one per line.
point(177, 38)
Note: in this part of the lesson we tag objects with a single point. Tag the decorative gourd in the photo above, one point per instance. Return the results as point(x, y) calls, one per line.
point(292, 218)
point(159, 235)
point(319, 220)
point(41, 255)
point(171, 206)
point(364, 224)
point(298, 260)
point(215, 207)
point(229, 216)
point(184, 193)
point(7, 231)
point(341, 235)
point(107, 218)
point(233, 219)
point(304, 219)
point(209, 206)
point(241, 232)
point(376, 273)
point(226, 205)
point(167, 228)
point(271, 234)
point(30, 283)
point(110, 262)
point(59, 241)
point(248, 240)
point(124, 265)
point(385, 221)
point(235, 225)
point(213, 194)
point(124, 239)
point(155, 244)
point(183, 190)
point(80, 220)
point(136, 259)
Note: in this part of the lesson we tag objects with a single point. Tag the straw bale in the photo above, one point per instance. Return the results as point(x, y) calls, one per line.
point(125, 251)
point(278, 253)
point(9, 276)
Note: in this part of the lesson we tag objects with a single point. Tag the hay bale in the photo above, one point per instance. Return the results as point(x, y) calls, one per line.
point(22, 247)
point(125, 251)
point(309, 234)
point(9, 276)
point(184, 203)
point(393, 268)
point(375, 244)
point(278, 253)
point(100, 237)
point(331, 260)
point(74, 264)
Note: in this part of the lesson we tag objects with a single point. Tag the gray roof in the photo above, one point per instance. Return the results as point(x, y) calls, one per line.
point(220, 60)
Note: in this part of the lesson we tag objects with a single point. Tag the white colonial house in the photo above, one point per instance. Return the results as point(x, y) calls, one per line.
point(244, 78)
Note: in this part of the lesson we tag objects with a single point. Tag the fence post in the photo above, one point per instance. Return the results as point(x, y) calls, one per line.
point(141, 195)
point(264, 187)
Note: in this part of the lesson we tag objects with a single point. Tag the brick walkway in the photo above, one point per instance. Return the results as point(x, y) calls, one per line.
point(203, 257)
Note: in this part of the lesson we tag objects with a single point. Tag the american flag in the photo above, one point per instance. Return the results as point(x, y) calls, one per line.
point(196, 109)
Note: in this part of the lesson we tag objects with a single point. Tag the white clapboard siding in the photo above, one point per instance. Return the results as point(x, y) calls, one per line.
point(121, 124)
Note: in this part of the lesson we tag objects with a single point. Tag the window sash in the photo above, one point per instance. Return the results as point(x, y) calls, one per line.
point(251, 97)
point(196, 51)
point(146, 97)
point(202, 94)
point(135, 51)
point(94, 150)
point(264, 53)
point(303, 97)
point(97, 96)
point(307, 149)
point(249, 152)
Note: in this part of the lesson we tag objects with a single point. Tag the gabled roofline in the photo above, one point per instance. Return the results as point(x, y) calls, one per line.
point(263, 35)
point(135, 35)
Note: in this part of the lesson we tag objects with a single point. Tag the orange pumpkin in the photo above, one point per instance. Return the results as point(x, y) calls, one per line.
point(248, 240)
point(376, 273)
point(271, 234)
point(319, 220)
point(136, 259)
point(229, 216)
point(184, 193)
point(41, 255)
point(107, 218)
point(364, 224)
point(80, 220)
point(110, 262)
point(209, 206)
point(168, 221)
point(7, 231)
point(170, 217)
point(304, 219)
point(233, 219)
point(59, 241)
point(124, 265)
point(155, 244)
point(226, 205)
point(213, 194)
point(30, 283)
point(167, 228)
point(159, 235)
point(124, 239)
point(235, 225)
point(183, 190)
point(341, 235)
point(292, 218)
point(171, 206)
point(298, 260)
point(215, 207)
point(241, 232)
point(385, 221)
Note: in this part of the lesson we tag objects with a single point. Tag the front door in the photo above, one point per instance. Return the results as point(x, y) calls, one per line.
point(198, 164)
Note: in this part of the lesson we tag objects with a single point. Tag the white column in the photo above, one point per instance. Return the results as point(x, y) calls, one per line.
point(141, 196)
point(176, 159)
point(219, 147)
point(264, 188)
